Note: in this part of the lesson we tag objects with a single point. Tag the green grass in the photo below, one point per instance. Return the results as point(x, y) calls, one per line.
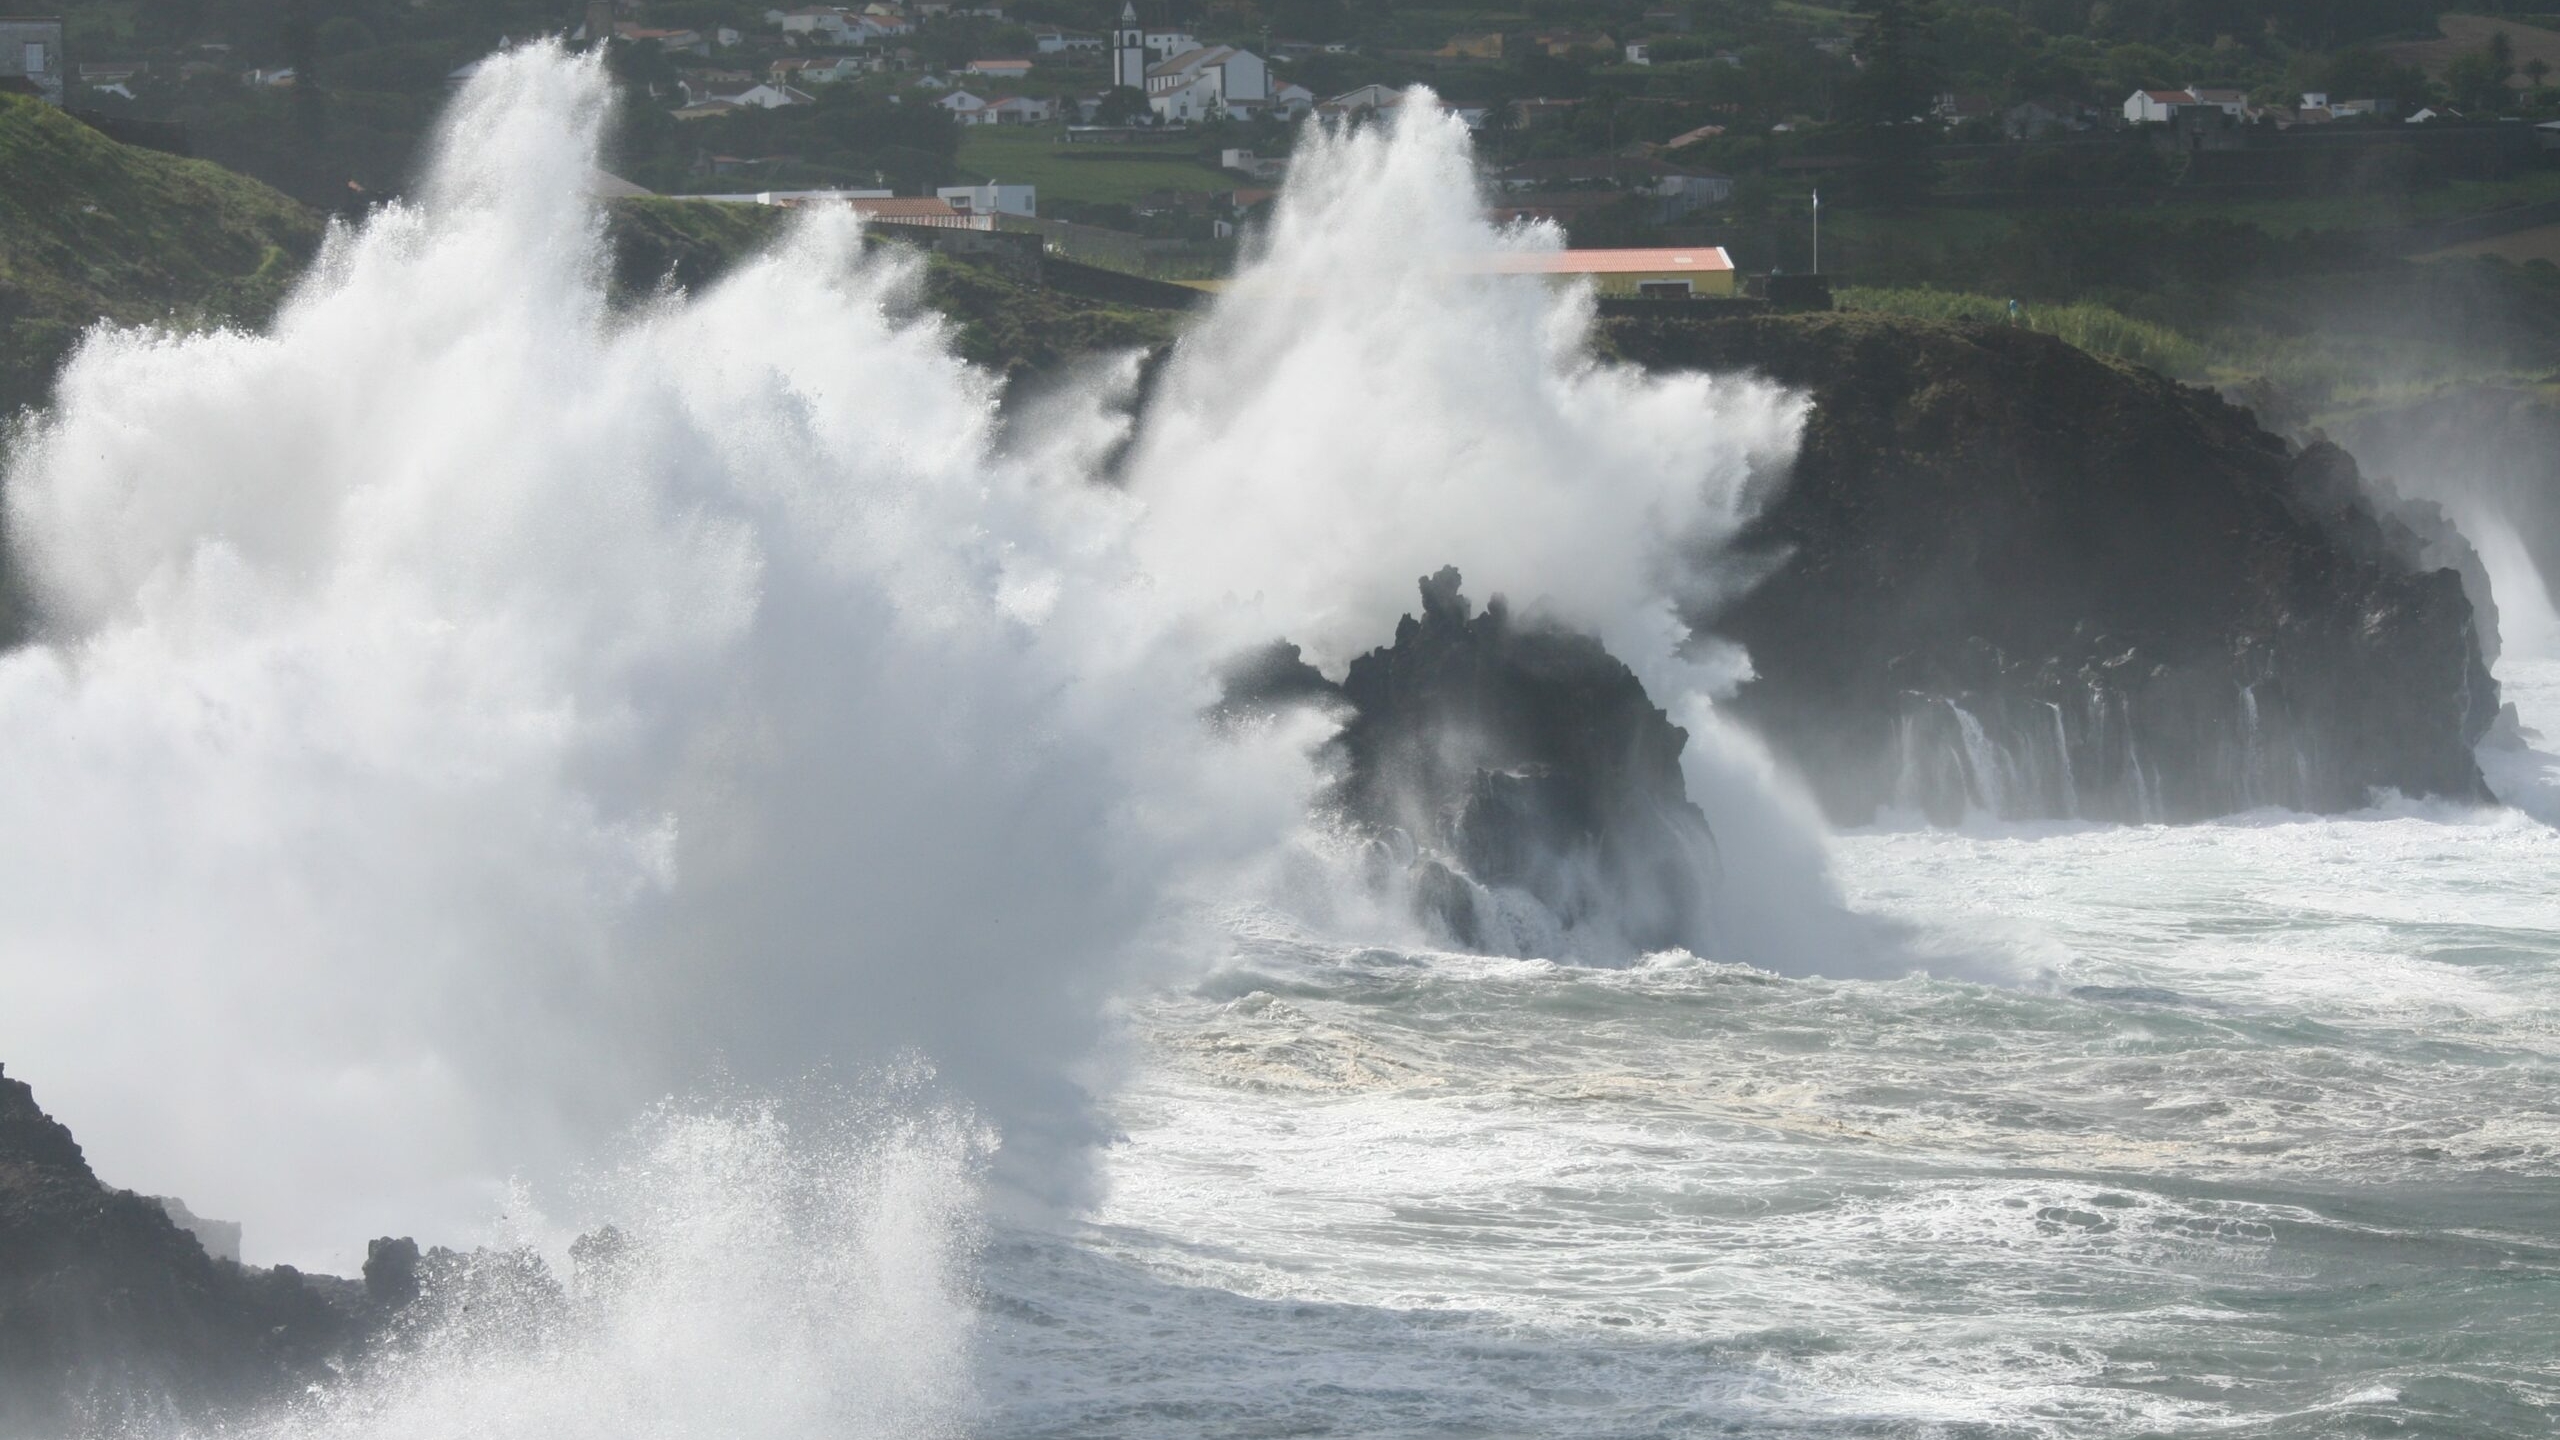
point(2329, 379)
point(1095, 174)
point(91, 230)
point(2094, 328)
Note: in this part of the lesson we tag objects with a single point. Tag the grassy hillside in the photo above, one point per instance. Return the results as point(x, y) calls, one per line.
point(1097, 174)
point(91, 229)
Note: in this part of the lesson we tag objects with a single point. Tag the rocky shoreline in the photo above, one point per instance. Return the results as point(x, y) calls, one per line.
point(2010, 577)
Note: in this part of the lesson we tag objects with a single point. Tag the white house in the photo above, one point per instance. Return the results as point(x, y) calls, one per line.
point(1210, 81)
point(2155, 107)
point(1169, 43)
point(1002, 110)
point(1018, 110)
point(1258, 167)
point(829, 20)
point(1637, 54)
point(674, 42)
point(1368, 99)
point(2234, 103)
point(1000, 69)
point(1052, 41)
point(31, 52)
point(769, 97)
point(834, 71)
point(993, 199)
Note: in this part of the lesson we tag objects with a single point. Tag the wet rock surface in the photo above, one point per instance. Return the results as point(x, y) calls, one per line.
point(1488, 755)
point(113, 1316)
point(2009, 576)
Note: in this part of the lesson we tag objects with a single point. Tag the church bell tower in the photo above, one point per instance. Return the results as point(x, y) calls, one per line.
point(1129, 51)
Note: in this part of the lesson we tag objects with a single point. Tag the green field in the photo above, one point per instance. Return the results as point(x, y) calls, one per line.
point(1096, 174)
point(2094, 328)
point(2337, 380)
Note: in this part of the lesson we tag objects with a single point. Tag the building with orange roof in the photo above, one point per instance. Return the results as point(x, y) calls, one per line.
point(1672, 274)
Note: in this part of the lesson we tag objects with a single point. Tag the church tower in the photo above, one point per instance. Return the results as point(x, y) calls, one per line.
point(1129, 51)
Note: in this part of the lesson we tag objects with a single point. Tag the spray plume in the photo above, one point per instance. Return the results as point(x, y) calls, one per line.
point(466, 712)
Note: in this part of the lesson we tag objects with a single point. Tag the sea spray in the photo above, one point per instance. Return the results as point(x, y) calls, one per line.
point(466, 712)
point(1366, 406)
point(747, 1276)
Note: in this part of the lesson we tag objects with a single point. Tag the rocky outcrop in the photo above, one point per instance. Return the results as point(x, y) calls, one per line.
point(111, 1316)
point(2009, 576)
point(1512, 776)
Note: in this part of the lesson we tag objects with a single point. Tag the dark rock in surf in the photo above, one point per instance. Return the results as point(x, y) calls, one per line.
point(1491, 754)
point(112, 1316)
point(2011, 576)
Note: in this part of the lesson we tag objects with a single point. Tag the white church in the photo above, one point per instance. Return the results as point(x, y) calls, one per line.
point(1183, 79)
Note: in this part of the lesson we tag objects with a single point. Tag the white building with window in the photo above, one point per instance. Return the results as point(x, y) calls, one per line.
point(2155, 107)
point(1208, 82)
point(31, 57)
point(993, 199)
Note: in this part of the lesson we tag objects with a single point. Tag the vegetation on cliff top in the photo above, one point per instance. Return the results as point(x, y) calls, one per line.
point(93, 229)
point(98, 230)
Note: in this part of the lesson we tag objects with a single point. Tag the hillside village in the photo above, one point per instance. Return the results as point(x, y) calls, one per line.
point(2180, 176)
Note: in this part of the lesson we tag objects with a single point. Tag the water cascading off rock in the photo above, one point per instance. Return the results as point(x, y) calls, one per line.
point(2011, 578)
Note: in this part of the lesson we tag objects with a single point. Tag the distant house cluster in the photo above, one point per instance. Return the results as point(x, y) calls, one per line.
point(2172, 107)
point(842, 25)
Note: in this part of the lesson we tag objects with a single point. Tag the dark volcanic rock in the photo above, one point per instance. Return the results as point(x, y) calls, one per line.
point(2008, 575)
point(1491, 755)
point(111, 1315)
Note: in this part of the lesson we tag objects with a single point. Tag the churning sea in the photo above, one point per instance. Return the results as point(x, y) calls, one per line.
point(2240, 1129)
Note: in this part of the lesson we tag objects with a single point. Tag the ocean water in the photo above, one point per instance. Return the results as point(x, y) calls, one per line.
point(469, 717)
point(2249, 1128)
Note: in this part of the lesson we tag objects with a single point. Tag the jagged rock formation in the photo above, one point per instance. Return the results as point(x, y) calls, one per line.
point(1491, 757)
point(2009, 576)
point(111, 1315)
